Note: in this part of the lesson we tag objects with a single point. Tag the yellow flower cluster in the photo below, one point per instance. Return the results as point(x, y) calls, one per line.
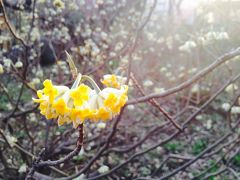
point(79, 103)
point(111, 80)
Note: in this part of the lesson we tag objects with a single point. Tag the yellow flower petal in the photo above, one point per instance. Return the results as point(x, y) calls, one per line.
point(110, 81)
point(49, 90)
point(111, 100)
point(103, 114)
point(80, 95)
point(60, 106)
point(61, 121)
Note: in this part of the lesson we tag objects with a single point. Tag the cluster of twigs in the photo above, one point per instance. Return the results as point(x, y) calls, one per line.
point(177, 123)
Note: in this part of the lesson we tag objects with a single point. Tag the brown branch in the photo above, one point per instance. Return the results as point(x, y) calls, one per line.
point(157, 105)
point(206, 156)
point(31, 155)
point(170, 137)
point(32, 21)
point(5, 138)
point(189, 82)
point(139, 30)
point(37, 160)
point(28, 133)
point(220, 171)
point(234, 101)
point(16, 106)
point(145, 137)
point(10, 27)
point(233, 172)
point(196, 158)
point(217, 161)
point(102, 149)
point(38, 163)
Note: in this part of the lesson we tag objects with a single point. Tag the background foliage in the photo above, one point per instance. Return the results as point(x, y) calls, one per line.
point(181, 57)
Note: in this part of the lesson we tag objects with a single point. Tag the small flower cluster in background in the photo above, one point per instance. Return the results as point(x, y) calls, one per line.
point(111, 80)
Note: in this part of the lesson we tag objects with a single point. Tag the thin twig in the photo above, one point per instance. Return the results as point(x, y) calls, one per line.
point(189, 82)
point(170, 137)
point(157, 105)
point(10, 27)
point(102, 149)
point(38, 163)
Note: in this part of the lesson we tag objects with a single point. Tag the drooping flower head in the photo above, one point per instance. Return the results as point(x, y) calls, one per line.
point(108, 102)
point(46, 98)
point(81, 102)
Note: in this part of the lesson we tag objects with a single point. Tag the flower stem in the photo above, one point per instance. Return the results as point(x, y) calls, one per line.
point(93, 83)
point(77, 81)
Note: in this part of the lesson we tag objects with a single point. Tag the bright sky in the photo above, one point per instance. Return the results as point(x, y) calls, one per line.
point(191, 4)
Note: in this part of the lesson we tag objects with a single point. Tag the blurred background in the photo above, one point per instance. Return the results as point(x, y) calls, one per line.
point(158, 45)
